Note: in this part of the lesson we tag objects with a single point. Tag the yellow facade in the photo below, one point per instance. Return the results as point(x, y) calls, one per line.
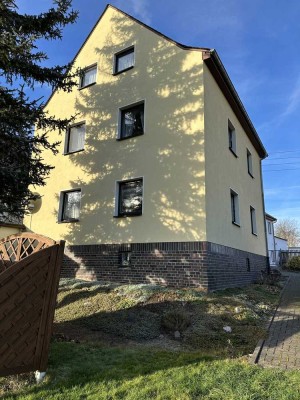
point(169, 156)
point(182, 156)
point(225, 172)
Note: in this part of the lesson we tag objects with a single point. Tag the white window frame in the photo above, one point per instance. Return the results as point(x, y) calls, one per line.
point(253, 221)
point(117, 196)
point(235, 208)
point(128, 107)
point(81, 78)
point(67, 138)
point(61, 205)
point(249, 163)
point(232, 138)
point(118, 54)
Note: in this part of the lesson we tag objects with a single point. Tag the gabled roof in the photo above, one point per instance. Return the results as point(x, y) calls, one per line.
point(217, 69)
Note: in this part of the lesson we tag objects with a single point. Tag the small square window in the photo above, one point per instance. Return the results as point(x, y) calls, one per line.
point(70, 205)
point(75, 138)
point(249, 163)
point(88, 76)
point(125, 259)
point(231, 138)
point(235, 208)
point(130, 197)
point(253, 221)
point(124, 60)
point(131, 121)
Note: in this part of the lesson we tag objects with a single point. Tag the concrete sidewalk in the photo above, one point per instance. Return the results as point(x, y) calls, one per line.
point(282, 347)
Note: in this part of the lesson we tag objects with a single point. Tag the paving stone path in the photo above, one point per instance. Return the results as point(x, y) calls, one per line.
point(282, 347)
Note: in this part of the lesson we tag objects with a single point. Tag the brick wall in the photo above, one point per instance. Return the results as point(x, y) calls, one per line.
point(198, 264)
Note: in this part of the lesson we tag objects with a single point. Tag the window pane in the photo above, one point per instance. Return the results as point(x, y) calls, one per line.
point(71, 205)
point(89, 76)
point(124, 60)
point(76, 138)
point(132, 121)
point(131, 197)
point(253, 220)
point(249, 162)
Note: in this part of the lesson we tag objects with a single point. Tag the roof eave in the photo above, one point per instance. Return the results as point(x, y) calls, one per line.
point(218, 71)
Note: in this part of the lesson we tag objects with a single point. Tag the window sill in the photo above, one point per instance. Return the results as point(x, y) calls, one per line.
point(128, 215)
point(130, 137)
point(121, 267)
point(236, 224)
point(68, 221)
point(233, 152)
point(73, 152)
point(86, 86)
point(123, 70)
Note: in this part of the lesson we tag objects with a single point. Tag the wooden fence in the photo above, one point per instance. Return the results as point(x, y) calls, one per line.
point(29, 275)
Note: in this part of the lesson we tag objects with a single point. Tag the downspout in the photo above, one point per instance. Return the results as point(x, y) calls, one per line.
point(264, 211)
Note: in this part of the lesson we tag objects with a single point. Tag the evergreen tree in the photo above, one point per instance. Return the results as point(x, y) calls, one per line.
point(21, 67)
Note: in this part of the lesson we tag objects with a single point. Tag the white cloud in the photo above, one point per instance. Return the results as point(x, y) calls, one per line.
point(293, 100)
point(137, 8)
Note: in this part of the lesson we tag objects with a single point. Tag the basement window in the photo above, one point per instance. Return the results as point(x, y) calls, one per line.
point(124, 259)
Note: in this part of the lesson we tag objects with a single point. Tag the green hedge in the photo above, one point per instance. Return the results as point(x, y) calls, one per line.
point(294, 263)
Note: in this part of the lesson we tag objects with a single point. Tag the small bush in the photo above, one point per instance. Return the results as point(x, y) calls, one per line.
point(176, 321)
point(294, 263)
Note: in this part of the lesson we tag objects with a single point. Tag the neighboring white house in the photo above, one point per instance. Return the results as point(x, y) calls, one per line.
point(275, 243)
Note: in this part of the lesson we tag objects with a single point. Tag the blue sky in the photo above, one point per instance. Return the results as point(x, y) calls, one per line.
point(258, 42)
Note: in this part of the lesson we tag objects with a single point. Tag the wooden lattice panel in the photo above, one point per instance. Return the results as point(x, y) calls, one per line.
point(16, 247)
point(28, 289)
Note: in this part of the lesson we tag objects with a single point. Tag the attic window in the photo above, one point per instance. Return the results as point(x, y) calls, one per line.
point(88, 76)
point(124, 60)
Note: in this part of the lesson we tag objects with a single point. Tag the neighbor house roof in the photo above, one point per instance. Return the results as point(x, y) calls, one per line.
point(217, 69)
point(270, 218)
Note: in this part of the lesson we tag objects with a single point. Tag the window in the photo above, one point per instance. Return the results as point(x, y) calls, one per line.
point(124, 60)
point(249, 163)
point(88, 77)
point(130, 197)
point(269, 228)
point(235, 208)
point(248, 264)
point(70, 205)
point(125, 259)
point(75, 138)
point(231, 138)
point(253, 221)
point(131, 121)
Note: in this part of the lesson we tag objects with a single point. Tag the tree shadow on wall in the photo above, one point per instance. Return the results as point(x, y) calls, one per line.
point(170, 154)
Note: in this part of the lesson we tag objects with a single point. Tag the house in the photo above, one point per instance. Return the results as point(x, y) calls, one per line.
point(275, 243)
point(10, 226)
point(159, 180)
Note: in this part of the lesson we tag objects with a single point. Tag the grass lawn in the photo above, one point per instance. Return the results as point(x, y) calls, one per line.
point(117, 342)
